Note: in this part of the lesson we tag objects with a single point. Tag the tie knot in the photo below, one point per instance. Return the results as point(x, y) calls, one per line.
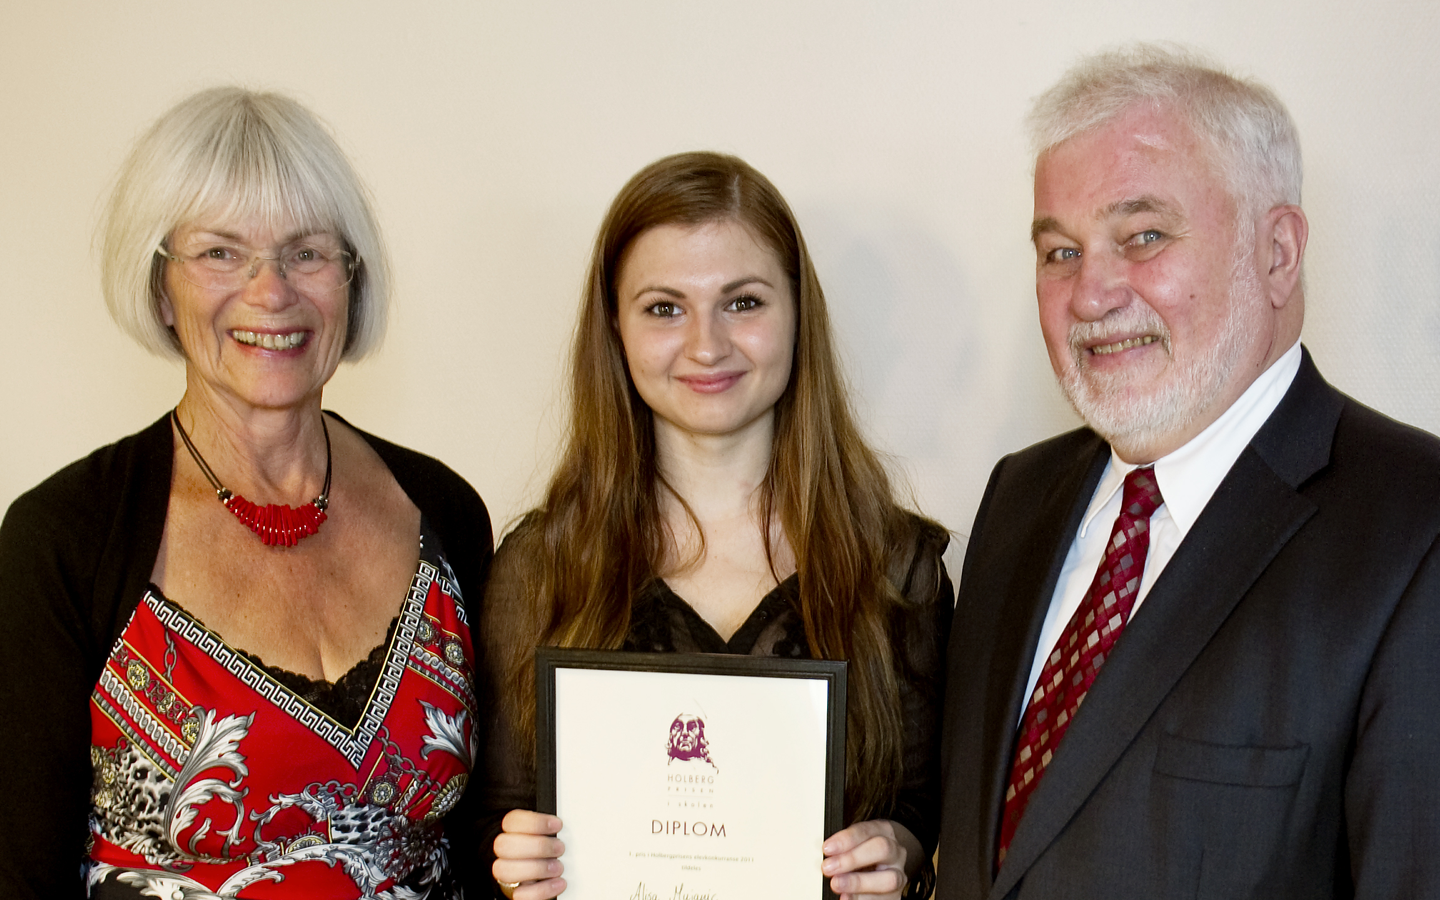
point(1142, 493)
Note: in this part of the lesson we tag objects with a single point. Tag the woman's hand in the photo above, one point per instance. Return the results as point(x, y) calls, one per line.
point(527, 851)
point(869, 859)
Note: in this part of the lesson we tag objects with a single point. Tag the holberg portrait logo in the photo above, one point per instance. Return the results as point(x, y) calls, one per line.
point(689, 787)
point(688, 742)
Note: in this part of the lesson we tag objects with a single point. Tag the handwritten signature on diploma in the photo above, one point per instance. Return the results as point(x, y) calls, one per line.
point(644, 893)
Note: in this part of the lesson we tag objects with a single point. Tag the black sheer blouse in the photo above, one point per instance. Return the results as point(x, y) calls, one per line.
point(662, 622)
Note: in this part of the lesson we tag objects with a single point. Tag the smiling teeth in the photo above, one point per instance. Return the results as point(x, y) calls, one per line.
point(1124, 345)
point(268, 341)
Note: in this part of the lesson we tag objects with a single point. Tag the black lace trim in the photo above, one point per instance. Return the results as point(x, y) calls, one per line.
point(662, 622)
point(343, 700)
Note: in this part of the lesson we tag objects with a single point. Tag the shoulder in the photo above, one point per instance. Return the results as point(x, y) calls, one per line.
point(449, 502)
point(435, 487)
point(88, 534)
point(1041, 461)
point(511, 613)
point(914, 558)
point(1381, 467)
point(427, 476)
point(1318, 437)
point(524, 537)
point(1339, 452)
point(522, 544)
point(89, 486)
point(1072, 459)
point(1021, 480)
point(526, 531)
point(81, 503)
point(1364, 435)
point(915, 535)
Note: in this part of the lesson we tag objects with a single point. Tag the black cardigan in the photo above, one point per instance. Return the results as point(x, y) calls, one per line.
point(76, 554)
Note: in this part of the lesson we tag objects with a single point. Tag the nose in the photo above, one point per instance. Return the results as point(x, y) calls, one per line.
point(709, 339)
point(267, 285)
point(1101, 285)
point(258, 261)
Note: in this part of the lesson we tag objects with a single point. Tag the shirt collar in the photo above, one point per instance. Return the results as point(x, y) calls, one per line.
point(1189, 476)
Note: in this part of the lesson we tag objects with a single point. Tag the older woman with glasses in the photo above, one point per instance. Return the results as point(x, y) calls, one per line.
point(236, 642)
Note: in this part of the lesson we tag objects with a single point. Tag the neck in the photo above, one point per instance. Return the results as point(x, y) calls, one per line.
point(718, 476)
point(268, 455)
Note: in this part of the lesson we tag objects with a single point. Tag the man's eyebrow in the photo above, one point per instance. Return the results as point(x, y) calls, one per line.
point(1041, 226)
point(1118, 210)
point(1145, 204)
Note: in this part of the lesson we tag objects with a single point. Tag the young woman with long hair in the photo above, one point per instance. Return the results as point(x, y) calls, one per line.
point(713, 456)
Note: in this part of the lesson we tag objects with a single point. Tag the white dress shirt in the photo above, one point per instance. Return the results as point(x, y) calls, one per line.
point(1187, 477)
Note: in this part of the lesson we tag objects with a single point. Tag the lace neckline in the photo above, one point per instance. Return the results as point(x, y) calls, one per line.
point(743, 640)
point(343, 699)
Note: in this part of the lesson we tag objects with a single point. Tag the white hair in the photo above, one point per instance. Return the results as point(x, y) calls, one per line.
point(1248, 130)
point(231, 153)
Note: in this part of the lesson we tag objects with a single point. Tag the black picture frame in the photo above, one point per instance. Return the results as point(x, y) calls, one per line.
point(548, 660)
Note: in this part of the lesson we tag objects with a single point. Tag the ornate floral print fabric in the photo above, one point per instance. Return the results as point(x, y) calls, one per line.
point(214, 780)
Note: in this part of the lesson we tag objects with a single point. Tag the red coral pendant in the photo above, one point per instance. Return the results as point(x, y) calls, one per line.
point(277, 524)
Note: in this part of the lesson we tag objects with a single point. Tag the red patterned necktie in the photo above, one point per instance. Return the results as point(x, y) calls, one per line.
point(1083, 647)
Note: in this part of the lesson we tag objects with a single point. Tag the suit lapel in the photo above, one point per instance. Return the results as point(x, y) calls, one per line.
point(1037, 561)
point(1253, 514)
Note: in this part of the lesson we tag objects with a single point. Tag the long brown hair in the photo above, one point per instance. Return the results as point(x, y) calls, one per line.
point(600, 534)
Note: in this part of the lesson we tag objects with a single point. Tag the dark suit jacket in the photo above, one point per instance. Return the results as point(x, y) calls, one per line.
point(1269, 724)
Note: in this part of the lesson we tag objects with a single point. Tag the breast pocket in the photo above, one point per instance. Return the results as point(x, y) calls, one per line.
point(1226, 810)
point(1240, 766)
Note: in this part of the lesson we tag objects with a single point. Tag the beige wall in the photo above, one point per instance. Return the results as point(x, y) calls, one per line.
point(493, 135)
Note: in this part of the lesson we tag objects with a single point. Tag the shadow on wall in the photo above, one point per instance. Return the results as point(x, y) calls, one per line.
point(944, 380)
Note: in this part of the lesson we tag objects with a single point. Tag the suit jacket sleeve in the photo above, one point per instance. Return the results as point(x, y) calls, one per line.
point(1392, 791)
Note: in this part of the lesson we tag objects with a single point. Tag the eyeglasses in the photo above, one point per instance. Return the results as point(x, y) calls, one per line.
point(305, 266)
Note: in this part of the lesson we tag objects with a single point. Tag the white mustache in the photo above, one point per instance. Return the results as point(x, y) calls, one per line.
point(1128, 322)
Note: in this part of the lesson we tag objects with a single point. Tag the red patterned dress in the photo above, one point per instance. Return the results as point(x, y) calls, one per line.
point(213, 779)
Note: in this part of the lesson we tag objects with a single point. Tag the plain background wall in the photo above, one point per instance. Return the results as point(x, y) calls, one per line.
point(493, 136)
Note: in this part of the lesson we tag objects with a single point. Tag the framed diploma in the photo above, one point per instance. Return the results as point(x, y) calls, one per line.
point(690, 776)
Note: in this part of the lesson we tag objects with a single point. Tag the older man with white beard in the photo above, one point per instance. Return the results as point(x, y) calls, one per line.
point(1235, 568)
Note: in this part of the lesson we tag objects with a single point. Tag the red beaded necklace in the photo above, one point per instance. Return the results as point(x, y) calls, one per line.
point(275, 523)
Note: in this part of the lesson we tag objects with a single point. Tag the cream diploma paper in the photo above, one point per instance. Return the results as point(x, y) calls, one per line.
point(677, 786)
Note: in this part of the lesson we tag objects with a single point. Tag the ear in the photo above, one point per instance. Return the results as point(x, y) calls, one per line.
point(1285, 230)
point(159, 276)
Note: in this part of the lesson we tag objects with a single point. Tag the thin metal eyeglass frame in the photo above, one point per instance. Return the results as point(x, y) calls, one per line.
point(254, 262)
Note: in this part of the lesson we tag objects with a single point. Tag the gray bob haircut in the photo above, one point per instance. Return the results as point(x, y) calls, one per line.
point(1251, 136)
point(228, 153)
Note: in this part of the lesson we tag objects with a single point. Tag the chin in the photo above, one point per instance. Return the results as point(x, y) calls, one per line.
point(713, 422)
point(278, 399)
point(1117, 403)
point(1134, 414)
